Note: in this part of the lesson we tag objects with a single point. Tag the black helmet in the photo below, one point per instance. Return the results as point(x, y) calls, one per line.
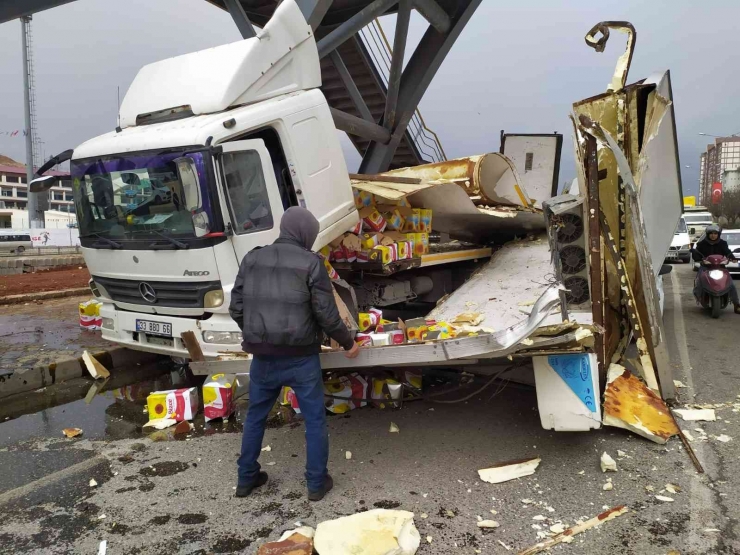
point(714, 228)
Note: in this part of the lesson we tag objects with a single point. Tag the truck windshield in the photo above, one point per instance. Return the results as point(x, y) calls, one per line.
point(122, 196)
point(681, 228)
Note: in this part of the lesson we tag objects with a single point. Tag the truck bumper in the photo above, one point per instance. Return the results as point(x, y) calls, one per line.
point(120, 327)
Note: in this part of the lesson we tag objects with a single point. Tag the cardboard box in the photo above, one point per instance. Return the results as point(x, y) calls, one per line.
point(364, 339)
point(218, 396)
point(90, 318)
point(289, 398)
point(362, 199)
point(415, 329)
point(330, 270)
point(387, 254)
point(373, 219)
point(425, 221)
point(395, 221)
point(177, 404)
point(413, 221)
point(420, 242)
point(384, 390)
point(368, 320)
point(350, 386)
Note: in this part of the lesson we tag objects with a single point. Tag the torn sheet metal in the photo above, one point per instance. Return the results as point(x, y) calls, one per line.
point(619, 80)
point(456, 213)
point(629, 404)
point(647, 302)
point(657, 171)
point(491, 176)
point(494, 345)
point(514, 275)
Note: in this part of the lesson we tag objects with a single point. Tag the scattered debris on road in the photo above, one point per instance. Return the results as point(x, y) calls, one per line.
point(374, 532)
point(608, 463)
point(72, 432)
point(292, 542)
point(160, 423)
point(92, 483)
point(510, 470)
point(567, 535)
point(348, 455)
point(394, 429)
point(266, 449)
point(706, 415)
point(96, 370)
point(664, 498)
point(487, 524)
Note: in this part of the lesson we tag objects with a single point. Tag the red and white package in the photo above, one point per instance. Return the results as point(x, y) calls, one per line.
point(177, 404)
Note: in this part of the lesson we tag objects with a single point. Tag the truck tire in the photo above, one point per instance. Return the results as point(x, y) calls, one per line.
point(716, 307)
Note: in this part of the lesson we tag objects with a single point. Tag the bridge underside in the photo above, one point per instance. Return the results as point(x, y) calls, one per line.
point(374, 107)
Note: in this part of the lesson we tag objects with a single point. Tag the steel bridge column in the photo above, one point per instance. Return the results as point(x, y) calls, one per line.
point(394, 77)
point(314, 11)
point(423, 65)
point(240, 18)
point(350, 27)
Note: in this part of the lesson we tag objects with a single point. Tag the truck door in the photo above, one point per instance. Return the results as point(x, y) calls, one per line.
point(252, 195)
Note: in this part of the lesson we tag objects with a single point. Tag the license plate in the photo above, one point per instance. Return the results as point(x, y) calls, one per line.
point(154, 328)
point(163, 341)
point(672, 255)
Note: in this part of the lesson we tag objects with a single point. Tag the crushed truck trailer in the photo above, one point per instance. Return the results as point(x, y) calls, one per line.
point(195, 177)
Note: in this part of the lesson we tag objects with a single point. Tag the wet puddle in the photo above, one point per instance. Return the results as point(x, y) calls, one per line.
point(108, 410)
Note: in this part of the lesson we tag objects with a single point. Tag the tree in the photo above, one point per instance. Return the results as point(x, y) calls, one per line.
point(727, 211)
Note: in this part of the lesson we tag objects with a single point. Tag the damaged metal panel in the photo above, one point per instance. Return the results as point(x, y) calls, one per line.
point(647, 296)
point(492, 177)
point(630, 405)
point(619, 79)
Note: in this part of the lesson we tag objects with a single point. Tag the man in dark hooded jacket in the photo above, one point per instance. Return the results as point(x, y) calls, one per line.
point(709, 245)
point(283, 301)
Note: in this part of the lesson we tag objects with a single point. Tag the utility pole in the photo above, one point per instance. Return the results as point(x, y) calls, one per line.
point(35, 218)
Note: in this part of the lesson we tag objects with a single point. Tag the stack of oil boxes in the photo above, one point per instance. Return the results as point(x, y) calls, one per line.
point(388, 231)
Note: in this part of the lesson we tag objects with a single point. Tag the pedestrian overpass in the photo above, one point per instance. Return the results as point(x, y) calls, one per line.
point(373, 98)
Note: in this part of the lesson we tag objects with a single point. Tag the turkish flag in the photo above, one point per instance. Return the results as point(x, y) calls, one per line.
point(716, 192)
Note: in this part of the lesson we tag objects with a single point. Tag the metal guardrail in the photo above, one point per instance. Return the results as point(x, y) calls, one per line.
point(425, 140)
point(43, 251)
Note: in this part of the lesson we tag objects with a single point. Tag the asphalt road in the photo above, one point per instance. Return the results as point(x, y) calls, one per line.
point(174, 495)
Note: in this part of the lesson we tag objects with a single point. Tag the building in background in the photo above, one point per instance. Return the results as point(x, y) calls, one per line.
point(721, 157)
point(14, 197)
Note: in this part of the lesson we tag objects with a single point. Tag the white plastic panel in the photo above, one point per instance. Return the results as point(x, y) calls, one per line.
point(568, 392)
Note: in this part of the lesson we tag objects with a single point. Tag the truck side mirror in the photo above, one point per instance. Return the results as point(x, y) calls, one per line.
point(188, 174)
point(43, 183)
point(692, 231)
point(665, 269)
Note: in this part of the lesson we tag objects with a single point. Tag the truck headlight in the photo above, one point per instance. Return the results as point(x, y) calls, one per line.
point(213, 299)
point(108, 323)
point(222, 337)
point(686, 247)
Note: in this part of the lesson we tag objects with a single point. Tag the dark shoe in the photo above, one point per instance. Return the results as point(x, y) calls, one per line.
point(318, 495)
point(737, 309)
point(243, 491)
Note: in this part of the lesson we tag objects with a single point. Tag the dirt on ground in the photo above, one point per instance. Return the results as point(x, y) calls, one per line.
point(66, 277)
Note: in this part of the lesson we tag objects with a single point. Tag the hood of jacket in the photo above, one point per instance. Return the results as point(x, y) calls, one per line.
point(299, 226)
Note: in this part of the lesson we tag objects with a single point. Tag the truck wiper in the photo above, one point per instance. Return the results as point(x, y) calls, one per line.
point(106, 241)
point(175, 242)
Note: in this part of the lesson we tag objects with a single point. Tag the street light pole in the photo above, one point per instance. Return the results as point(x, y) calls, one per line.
point(32, 203)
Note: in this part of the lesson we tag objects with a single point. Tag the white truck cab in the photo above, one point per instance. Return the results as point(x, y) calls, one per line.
point(207, 167)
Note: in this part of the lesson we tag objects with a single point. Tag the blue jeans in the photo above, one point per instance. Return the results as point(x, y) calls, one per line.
point(267, 376)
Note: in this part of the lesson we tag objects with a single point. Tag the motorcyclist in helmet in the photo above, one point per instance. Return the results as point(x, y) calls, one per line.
point(709, 245)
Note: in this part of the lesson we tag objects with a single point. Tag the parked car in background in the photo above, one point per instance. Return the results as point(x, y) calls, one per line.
point(680, 248)
point(15, 242)
point(697, 223)
point(732, 236)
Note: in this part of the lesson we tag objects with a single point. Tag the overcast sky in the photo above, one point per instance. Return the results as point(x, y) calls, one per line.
point(517, 68)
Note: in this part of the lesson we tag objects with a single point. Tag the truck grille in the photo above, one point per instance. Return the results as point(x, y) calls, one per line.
point(164, 293)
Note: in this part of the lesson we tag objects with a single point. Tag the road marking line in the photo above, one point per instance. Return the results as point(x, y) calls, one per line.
point(699, 496)
point(29, 488)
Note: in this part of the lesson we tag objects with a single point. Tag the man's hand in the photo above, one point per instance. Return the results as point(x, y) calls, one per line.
point(353, 352)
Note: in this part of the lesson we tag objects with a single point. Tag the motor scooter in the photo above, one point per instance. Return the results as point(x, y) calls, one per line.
point(712, 286)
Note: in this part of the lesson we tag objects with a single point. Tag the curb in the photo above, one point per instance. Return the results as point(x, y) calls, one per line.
point(44, 295)
point(30, 379)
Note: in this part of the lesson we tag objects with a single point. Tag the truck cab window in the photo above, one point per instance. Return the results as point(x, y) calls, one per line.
point(247, 190)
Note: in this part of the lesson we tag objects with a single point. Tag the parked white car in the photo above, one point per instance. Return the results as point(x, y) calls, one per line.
point(680, 248)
